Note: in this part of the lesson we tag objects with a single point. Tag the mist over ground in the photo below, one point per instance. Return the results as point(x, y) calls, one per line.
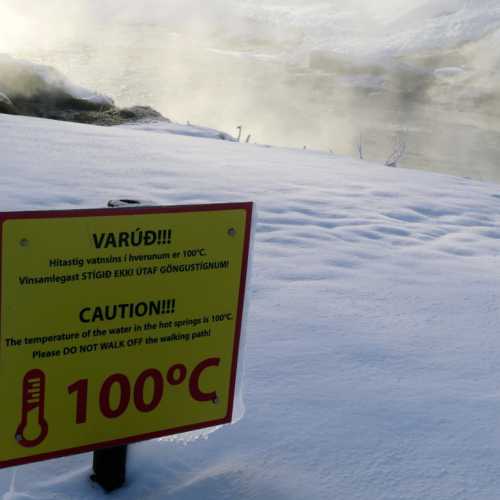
point(326, 75)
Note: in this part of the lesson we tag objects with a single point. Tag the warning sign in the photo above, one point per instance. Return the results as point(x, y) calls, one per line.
point(118, 325)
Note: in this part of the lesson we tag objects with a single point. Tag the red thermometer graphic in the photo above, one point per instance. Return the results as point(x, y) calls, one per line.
point(33, 407)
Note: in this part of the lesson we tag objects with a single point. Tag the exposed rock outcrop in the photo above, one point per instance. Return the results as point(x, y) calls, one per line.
point(35, 90)
point(6, 105)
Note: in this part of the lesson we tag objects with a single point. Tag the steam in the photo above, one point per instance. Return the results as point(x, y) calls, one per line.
point(290, 72)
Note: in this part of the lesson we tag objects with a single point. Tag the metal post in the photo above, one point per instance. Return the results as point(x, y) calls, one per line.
point(109, 466)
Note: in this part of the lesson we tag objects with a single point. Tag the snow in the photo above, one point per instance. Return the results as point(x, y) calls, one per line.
point(179, 129)
point(372, 367)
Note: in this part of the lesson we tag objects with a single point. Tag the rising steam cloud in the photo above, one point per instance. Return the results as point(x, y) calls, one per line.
point(291, 72)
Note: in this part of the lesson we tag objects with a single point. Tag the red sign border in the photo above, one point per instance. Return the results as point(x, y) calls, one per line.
point(248, 207)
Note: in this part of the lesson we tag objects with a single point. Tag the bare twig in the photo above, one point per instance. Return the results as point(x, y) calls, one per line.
point(398, 150)
point(360, 147)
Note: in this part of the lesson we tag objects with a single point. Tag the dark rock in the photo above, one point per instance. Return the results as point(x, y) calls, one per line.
point(6, 105)
point(106, 117)
point(43, 92)
point(68, 108)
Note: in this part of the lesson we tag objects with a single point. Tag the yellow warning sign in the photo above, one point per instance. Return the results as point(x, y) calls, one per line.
point(118, 325)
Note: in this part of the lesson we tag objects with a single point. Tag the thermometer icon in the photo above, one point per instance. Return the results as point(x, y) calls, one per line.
point(33, 396)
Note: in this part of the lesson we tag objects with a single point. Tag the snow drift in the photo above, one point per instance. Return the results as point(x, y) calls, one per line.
point(372, 369)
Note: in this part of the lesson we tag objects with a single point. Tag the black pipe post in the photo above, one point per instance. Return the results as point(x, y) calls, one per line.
point(109, 467)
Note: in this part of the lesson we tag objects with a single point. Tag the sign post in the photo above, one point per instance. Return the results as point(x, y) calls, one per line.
point(110, 467)
point(118, 326)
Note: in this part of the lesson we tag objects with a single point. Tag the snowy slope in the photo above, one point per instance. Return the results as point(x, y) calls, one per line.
point(372, 354)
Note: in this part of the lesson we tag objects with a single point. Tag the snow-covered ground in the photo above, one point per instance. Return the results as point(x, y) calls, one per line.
point(189, 129)
point(372, 367)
